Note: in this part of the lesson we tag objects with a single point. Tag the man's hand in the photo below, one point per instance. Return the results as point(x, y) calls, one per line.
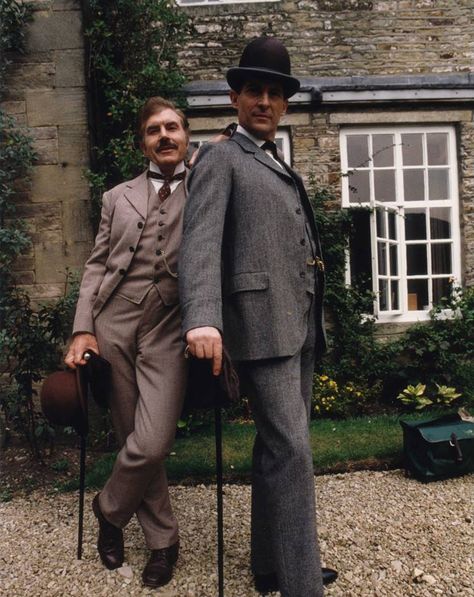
point(206, 343)
point(80, 343)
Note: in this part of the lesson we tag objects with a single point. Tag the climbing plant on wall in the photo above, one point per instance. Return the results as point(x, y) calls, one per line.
point(132, 55)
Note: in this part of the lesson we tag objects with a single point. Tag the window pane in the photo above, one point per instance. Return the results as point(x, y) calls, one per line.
point(437, 144)
point(438, 181)
point(440, 222)
point(360, 250)
point(394, 295)
point(415, 224)
point(359, 187)
point(392, 225)
point(381, 226)
point(357, 151)
point(384, 182)
point(412, 149)
point(441, 258)
point(417, 295)
point(382, 258)
point(416, 260)
point(383, 295)
point(393, 260)
point(414, 185)
point(441, 289)
point(382, 150)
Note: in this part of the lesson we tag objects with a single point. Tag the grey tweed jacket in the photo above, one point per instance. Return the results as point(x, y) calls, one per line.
point(242, 264)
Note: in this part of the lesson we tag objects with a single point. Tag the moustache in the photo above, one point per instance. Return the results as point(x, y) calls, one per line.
point(166, 145)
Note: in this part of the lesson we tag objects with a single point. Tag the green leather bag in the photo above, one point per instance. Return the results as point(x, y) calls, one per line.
point(439, 448)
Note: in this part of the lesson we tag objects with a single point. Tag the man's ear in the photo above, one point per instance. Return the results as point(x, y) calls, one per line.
point(233, 98)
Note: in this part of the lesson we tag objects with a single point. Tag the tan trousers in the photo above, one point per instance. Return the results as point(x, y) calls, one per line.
point(144, 346)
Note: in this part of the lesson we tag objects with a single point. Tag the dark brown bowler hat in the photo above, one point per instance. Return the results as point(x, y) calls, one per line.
point(264, 58)
point(64, 399)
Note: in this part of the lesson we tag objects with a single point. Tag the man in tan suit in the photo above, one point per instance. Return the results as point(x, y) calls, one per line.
point(128, 312)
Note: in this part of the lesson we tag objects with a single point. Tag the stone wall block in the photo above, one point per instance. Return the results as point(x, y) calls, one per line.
point(55, 183)
point(50, 263)
point(31, 76)
point(46, 151)
point(70, 70)
point(55, 30)
point(56, 107)
point(74, 145)
point(76, 221)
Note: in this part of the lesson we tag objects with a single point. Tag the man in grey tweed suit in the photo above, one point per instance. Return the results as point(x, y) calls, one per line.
point(128, 311)
point(251, 274)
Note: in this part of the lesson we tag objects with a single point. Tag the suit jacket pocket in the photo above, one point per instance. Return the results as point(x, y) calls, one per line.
point(248, 281)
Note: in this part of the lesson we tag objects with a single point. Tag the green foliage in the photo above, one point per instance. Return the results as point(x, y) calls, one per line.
point(415, 397)
point(133, 48)
point(31, 342)
point(334, 400)
point(440, 352)
point(354, 355)
point(13, 16)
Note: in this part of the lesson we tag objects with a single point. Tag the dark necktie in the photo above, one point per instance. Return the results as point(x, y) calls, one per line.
point(272, 148)
point(165, 190)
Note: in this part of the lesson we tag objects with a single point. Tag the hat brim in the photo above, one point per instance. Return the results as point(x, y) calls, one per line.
point(237, 75)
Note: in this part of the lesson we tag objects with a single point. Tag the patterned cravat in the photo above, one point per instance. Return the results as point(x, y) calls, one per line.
point(165, 190)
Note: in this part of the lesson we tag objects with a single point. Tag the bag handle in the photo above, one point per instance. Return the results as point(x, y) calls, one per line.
point(457, 448)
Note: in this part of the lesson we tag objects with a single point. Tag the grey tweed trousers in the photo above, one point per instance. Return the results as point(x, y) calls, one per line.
point(284, 536)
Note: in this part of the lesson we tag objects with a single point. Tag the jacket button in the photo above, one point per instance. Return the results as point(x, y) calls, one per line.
point(131, 249)
point(160, 237)
point(156, 279)
point(303, 241)
point(302, 275)
point(122, 272)
point(298, 210)
point(140, 224)
point(160, 223)
point(162, 211)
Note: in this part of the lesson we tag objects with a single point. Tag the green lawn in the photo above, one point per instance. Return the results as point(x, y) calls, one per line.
point(369, 442)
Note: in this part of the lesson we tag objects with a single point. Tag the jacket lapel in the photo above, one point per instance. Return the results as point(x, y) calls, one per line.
point(136, 193)
point(259, 154)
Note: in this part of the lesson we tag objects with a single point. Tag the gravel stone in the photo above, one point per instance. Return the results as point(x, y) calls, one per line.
point(387, 535)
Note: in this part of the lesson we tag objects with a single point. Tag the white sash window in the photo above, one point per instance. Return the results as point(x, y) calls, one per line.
point(407, 242)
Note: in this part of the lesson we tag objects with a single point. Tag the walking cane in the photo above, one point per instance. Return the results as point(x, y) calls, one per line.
point(94, 380)
point(220, 513)
point(82, 475)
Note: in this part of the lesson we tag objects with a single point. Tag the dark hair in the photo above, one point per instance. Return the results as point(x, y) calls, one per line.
point(153, 105)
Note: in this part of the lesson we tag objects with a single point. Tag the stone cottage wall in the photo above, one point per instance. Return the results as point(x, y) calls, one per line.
point(350, 38)
point(337, 37)
point(46, 94)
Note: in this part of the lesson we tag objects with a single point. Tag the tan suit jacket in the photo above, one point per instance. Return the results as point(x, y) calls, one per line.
point(124, 215)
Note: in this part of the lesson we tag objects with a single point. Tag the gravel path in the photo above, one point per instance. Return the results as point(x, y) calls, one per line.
point(387, 535)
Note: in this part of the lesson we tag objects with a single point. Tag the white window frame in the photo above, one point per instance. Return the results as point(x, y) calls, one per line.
point(217, 2)
point(399, 206)
point(281, 135)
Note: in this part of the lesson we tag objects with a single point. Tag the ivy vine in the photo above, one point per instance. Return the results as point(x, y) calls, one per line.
point(133, 55)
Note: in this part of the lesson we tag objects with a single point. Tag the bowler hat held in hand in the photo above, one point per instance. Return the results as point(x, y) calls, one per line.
point(64, 399)
point(206, 390)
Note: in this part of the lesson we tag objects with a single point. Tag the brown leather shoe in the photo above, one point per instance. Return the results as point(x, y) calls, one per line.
point(110, 539)
point(159, 568)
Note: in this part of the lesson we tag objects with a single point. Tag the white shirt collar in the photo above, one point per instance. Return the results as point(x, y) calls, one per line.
point(242, 131)
point(179, 168)
point(258, 142)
